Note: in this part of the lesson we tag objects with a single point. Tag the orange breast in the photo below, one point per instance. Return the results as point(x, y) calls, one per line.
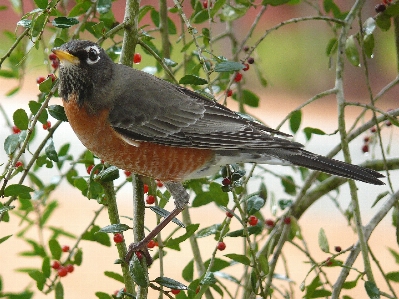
point(166, 163)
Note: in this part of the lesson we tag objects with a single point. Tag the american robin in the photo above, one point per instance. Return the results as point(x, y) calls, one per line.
point(151, 127)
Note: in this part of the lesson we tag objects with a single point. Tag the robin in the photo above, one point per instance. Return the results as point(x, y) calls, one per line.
point(154, 128)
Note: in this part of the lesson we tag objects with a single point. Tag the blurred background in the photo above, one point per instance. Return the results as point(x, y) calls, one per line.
point(293, 60)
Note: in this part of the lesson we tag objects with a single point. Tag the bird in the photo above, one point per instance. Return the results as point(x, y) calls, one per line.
point(151, 127)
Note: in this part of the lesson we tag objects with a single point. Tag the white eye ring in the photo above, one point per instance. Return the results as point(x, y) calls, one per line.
point(93, 54)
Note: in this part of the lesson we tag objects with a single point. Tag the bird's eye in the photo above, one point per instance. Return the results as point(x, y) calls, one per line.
point(93, 55)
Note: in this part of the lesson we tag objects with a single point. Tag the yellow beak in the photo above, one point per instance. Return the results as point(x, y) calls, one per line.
point(64, 56)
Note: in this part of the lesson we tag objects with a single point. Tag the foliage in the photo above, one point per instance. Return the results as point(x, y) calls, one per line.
point(201, 62)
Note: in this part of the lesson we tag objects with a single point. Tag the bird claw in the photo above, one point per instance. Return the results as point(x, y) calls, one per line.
point(135, 247)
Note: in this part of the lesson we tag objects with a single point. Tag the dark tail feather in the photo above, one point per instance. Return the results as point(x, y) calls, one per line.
point(307, 159)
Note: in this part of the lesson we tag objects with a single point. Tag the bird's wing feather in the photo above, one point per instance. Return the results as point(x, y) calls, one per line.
point(173, 115)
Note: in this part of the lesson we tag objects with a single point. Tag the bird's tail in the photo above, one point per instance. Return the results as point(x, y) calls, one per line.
point(307, 159)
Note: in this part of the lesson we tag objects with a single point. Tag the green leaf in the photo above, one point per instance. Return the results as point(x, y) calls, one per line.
point(208, 279)
point(38, 25)
point(372, 290)
point(18, 190)
point(230, 13)
point(215, 194)
point(239, 258)
point(218, 264)
point(48, 212)
point(284, 203)
point(46, 85)
point(78, 257)
point(288, 184)
point(351, 51)
point(57, 112)
point(332, 46)
point(394, 276)
point(323, 242)
point(59, 291)
point(174, 242)
point(41, 3)
point(217, 5)
point(368, 42)
point(137, 272)
point(164, 213)
point(64, 22)
point(309, 131)
point(79, 9)
point(11, 143)
point(264, 264)
point(254, 204)
point(114, 228)
point(188, 271)
point(102, 295)
point(3, 240)
point(200, 17)
point(104, 6)
point(171, 27)
point(170, 283)
point(20, 118)
point(274, 2)
point(55, 249)
point(38, 277)
point(115, 276)
point(257, 229)
point(349, 284)
point(34, 108)
point(250, 99)
point(193, 80)
point(155, 17)
point(50, 150)
point(295, 120)
point(109, 174)
point(8, 74)
point(228, 66)
point(46, 267)
point(207, 231)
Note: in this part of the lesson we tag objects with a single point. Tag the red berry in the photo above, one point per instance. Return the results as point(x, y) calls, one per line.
point(205, 4)
point(250, 60)
point(252, 220)
point(229, 214)
point(65, 248)
point(70, 268)
point(139, 255)
point(175, 292)
point(365, 148)
point(145, 188)
point(89, 168)
point(229, 92)
point(287, 220)
point(62, 272)
point(52, 76)
point(226, 182)
point(380, 7)
point(246, 67)
point(56, 265)
point(118, 238)
point(373, 129)
point(246, 48)
point(128, 173)
point(197, 290)
point(338, 248)
point(40, 80)
point(366, 139)
point(137, 58)
point(16, 130)
point(159, 184)
point(55, 64)
point(18, 164)
point(269, 223)
point(150, 199)
point(388, 123)
point(52, 56)
point(238, 77)
point(329, 262)
point(151, 244)
point(221, 246)
point(47, 125)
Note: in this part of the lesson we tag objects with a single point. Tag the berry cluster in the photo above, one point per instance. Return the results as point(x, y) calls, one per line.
point(55, 63)
point(63, 270)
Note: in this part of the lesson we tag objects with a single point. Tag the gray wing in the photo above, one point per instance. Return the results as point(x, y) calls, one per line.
point(158, 111)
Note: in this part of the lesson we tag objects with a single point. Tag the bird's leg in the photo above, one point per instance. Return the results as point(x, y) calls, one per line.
point(181, 200)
